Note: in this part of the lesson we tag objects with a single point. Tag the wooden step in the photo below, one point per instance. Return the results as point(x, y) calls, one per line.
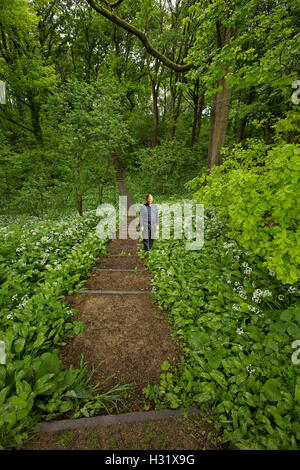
point(113, 292)
point(120, 270)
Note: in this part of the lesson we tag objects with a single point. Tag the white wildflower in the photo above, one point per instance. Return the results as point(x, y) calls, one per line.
point(249, 369)
point(252, 308)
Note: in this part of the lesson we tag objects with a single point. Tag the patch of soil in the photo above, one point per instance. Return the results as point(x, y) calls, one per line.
point(128, 262)
point(122, 246)
point(192, 433)
point(119, 281)
point(126, 332)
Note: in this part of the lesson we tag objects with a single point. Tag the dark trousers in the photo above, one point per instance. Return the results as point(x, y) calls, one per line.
point(148, 242)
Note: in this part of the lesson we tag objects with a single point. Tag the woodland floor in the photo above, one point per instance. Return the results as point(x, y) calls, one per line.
point(191, 433)
point(130, 337)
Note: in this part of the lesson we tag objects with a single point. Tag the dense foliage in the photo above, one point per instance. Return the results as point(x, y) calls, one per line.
point(39, 264)
point(196, 99)
point(258, 189)
point(238, 325)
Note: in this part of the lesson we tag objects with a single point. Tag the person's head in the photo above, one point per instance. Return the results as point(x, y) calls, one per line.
point(149, 198)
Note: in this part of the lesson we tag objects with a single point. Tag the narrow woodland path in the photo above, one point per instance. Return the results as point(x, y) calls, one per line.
point(133, 336)
point(123, 327)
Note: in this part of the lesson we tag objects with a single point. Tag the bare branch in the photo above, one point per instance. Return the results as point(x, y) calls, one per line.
point(7, 118)
point(114, 4)
point(142, 36)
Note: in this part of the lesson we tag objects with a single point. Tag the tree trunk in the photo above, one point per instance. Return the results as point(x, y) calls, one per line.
point(154, 91)
point(35, 119)
point(101, 186)
point(242, 128)
point(199, 118)
point(117, 52)
point(196, 94)
point(155, 83)
point(175, 114)
point(218, 123)
point(220, 106)
point(78, 203)
point(164, 105)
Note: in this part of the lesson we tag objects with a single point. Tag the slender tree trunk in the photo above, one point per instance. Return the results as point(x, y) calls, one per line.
point(196, 127)
point(117, 52)
point(35, 120)
point(242, 128)
point(176, 112)
point(101, 186)
point(88, 66)
point(199, 118)
point(78, 202)
point(154, 91)
point(197, 96)
point(155, 83)
point(164, 105)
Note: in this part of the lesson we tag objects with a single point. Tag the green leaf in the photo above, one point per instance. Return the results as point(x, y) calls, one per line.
point(219, 378)
point(294, 331)
point(272, 389)
point(197, 339)
point(214, 358)
point(165, 366)
point(48, 363)
point(19, 344)
point(202, 397)
point(44, 385)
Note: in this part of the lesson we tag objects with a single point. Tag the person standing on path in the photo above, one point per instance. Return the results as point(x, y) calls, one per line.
point(149, 221)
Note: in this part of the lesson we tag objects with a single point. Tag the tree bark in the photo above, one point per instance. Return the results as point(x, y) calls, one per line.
point(78, 203)
point(220, 106)
point(175, 114)
point(197, 118)
point(35, 119)
point(218, 123)
point(101, 186)
point(154, 92)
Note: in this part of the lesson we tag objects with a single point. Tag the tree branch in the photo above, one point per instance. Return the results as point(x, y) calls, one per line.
point(17, 123)
point(114, 4)
point(142, 36)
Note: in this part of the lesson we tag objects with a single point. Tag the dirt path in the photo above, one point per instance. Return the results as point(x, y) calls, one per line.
point(128, 331)
point(190, 433)
point(131, 334)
